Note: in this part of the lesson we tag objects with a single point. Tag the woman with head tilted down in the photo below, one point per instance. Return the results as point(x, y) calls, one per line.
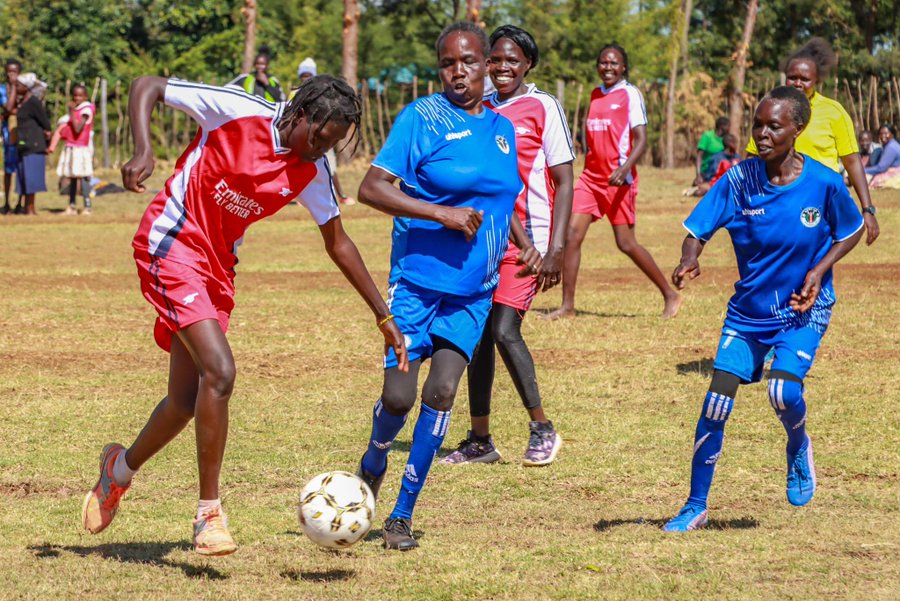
point(829, 138)
point(249, 159)
point(790, 219)
point(456, 163)
point(545, 155)
point(616, 138)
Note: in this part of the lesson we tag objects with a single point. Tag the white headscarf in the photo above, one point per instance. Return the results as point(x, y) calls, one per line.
point(30, 81)
point(307, 66)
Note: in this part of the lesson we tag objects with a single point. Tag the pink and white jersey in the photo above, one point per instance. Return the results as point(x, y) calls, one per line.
point(612, 114)
point(542, 141)
point(233, 173)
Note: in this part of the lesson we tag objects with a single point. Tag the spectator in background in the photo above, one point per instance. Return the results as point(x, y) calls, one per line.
point(33, 132)
point(77, 159)
point(260, 83)
point(869, 151)
point(306, 70)
point(888, 166)
point(711, 142)
point(7, 107)
point(719, 163)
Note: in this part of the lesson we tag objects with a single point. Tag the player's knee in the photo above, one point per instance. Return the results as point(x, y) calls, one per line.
point(626, 244)
point(440, 395)
point(398, 402)
point(506, 333)
point(219, 378)
point(785, 394)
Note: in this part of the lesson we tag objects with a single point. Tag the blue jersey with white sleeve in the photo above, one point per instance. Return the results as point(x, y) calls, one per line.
point(779, 233)
point(445, 156)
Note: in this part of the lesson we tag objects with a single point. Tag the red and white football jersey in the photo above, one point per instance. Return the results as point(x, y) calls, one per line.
point(233, 173)
point(612, 114)
point(542, 141)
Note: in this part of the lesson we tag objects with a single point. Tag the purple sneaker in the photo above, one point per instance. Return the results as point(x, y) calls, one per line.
point(471, 450)
point(543, 444)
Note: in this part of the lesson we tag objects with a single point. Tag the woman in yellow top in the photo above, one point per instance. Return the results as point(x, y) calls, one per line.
point(829, 138)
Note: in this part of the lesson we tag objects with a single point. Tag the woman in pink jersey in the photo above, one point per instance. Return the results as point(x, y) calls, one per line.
point(249, 159)
point(616, 138)
point(544, 148)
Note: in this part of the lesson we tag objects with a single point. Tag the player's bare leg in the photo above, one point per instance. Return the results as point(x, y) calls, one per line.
point(628, 244)
point(578, 227)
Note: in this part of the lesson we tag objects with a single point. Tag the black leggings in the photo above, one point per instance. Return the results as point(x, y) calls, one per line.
point(85, 190)
point(398, 395)
point(503, 328)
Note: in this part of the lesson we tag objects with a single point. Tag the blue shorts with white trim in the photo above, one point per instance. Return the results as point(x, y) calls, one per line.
point(744, 353)
point(423, 314)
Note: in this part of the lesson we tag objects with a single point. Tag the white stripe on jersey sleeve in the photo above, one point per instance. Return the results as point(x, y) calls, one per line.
point(319, 196)
point(637, 114)
point(556, 141)
point(211, 107)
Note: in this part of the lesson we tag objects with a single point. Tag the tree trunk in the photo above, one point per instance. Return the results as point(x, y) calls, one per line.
point(350, 63)
point(473, 10)
point(249, 12)
point(736, 101)
point(682, 22)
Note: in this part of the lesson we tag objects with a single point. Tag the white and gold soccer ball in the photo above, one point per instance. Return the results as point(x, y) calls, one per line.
point(336, 509)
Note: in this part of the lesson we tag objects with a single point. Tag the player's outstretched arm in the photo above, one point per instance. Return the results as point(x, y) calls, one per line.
point(853, 165)
point(346, 256)
point(689, 265)
point(378, 191)
point(145, 92)
point(813, 283)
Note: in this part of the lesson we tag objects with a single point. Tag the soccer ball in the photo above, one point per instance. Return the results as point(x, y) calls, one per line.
point(336, 509)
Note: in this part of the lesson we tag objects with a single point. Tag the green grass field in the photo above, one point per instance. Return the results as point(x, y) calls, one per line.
point(78, 368)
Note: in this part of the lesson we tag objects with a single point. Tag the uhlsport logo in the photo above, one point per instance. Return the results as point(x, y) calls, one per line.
point(502, 144)
point(810, 216)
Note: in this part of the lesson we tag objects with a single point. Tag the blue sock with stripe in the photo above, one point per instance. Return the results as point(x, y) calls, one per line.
point(385, 428)
point(787, 400)
point(431, 427)
point(708, 444)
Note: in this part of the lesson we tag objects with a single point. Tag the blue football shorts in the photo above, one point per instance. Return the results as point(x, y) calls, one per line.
point(423, 314)
point(744, 353)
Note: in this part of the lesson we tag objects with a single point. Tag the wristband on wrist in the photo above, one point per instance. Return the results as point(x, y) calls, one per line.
point(385, 320)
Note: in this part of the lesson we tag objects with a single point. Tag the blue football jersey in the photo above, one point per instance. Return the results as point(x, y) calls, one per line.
point(445, 156)
point(779, 233)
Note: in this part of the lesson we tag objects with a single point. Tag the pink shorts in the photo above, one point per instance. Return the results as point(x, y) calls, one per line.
point(599, 200)
point(182, 296)
point(512, 291)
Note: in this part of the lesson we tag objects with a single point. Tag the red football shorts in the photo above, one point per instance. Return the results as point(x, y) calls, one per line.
point(182, 296)
point(616, 203)
point(512, 291)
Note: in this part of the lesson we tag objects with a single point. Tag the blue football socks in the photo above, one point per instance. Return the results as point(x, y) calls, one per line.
point(708, 445)
point(431, 427)
point(385, 428)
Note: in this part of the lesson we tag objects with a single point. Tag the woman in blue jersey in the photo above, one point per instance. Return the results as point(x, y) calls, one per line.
point(456, 163)
point(790, 219)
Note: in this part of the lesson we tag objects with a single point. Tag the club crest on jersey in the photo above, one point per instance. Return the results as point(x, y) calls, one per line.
point(810, 216)
point(502, 144)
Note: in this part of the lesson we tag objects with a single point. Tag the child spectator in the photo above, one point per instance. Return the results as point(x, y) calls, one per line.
point(76, 161)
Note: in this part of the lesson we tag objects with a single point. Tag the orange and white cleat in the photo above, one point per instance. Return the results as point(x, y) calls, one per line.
point(211, 536)
point(102, 502)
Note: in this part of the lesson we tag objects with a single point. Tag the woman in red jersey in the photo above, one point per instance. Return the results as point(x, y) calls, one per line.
point(249, 158)
point(616, 138)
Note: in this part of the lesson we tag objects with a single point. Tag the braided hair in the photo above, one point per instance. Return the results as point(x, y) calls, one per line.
point(325, 98)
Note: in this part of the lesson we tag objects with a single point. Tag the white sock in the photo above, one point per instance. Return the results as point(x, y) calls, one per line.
point(205, 507)
point(122, 474)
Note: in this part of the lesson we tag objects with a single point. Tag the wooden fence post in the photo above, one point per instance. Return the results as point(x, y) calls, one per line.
point(104, 122)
